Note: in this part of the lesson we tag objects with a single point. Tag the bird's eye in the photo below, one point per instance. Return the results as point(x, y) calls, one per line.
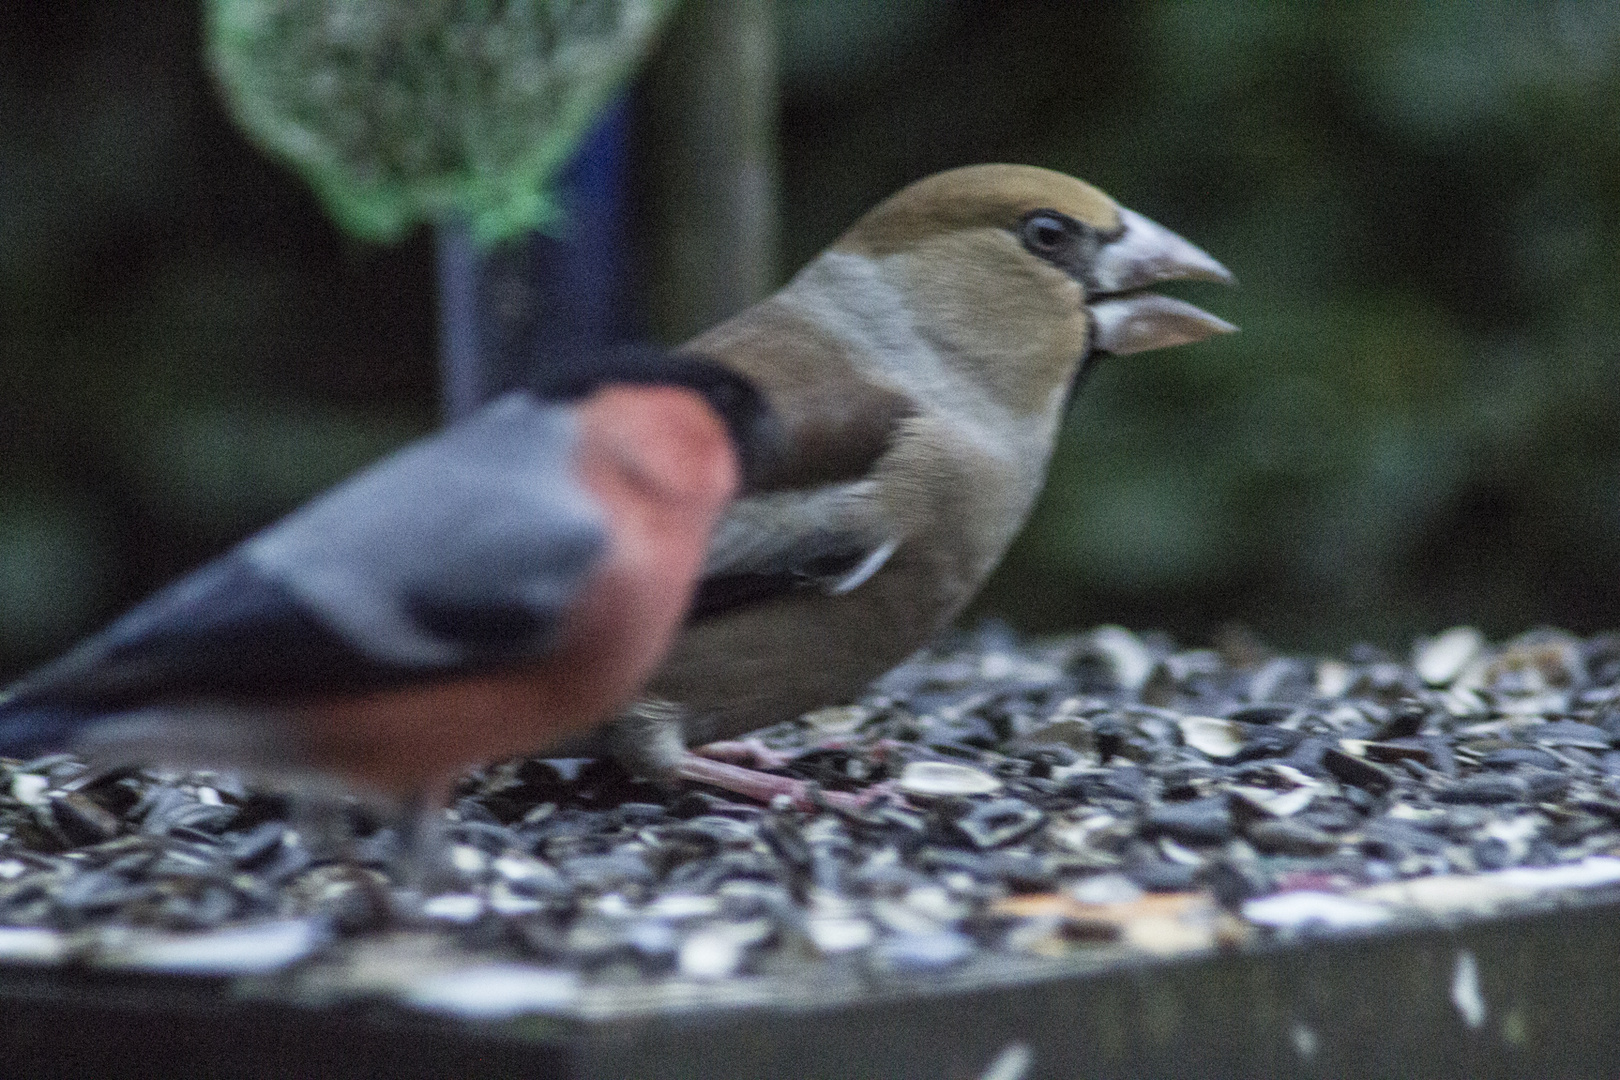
point(1047, 234)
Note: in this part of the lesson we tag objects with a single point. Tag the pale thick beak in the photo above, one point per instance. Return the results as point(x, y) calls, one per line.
point(1144, 254)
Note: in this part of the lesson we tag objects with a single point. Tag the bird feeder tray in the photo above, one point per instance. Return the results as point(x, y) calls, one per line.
point(1532, 993)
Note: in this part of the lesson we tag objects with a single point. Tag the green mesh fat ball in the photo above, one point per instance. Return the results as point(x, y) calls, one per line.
point(400, 111)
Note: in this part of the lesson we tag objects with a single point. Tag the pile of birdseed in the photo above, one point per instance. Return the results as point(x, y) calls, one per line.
point(1102, 795)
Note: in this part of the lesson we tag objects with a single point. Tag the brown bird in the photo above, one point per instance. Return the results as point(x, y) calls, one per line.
point(489, 590)
point(919, 369)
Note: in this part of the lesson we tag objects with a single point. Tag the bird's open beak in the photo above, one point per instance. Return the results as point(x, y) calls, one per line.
point(1143, 254)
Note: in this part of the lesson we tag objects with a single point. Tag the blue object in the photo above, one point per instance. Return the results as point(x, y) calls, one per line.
point(542, 300)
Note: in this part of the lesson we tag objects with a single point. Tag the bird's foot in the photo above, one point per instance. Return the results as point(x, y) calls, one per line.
point(768, 787)
point(421, 865)
point(761, 786)
point(749, 753)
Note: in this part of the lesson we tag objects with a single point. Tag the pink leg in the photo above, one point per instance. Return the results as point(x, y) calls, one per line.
point(748, 752)
point(764, 787)
point(753, 752)
point(759, 785)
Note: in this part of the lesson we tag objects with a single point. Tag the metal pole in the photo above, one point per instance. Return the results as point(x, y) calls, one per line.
point(706, 130)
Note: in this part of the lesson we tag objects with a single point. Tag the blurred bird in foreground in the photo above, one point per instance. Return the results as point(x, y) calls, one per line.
point(919, 368)
point(486, 591)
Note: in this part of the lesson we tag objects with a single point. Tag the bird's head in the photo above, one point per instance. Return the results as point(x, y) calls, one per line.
point(1020, 273)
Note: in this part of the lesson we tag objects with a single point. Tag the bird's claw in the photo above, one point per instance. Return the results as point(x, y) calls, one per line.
point(766, 788)
point(750, 753)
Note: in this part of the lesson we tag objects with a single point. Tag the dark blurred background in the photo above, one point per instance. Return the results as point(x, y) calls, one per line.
point(1419, 425)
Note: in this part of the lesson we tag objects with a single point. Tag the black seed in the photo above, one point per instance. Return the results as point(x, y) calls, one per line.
point(1572, 733)
point(1201, 821)
point(1307, 756)
point(1262, 714)
point(1511, 756)
point(1393, 838)
point(998, 821)
point(1282, 836)
point(255, 846)
point(1161, 875)
point(1362, 774)
point(82, 820)
point(1265, 742)
point(1484, 790)
point(1405, 722)
point(1543, 785)
point(1397, 751)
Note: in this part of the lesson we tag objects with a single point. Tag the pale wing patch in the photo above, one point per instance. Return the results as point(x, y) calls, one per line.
point(863, 572)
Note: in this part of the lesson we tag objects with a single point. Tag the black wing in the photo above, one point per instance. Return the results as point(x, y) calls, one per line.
point(458, 553)
point(832, 539)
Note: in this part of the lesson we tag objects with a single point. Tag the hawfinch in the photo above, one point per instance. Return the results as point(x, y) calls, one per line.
point(489, 590)
point(919, 370)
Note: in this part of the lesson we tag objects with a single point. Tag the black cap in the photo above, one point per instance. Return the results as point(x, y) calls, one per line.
point(749, 420)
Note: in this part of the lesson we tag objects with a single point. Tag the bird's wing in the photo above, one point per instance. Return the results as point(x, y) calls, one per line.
point(832, 538)
point(833, 421)
point(457, 553)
